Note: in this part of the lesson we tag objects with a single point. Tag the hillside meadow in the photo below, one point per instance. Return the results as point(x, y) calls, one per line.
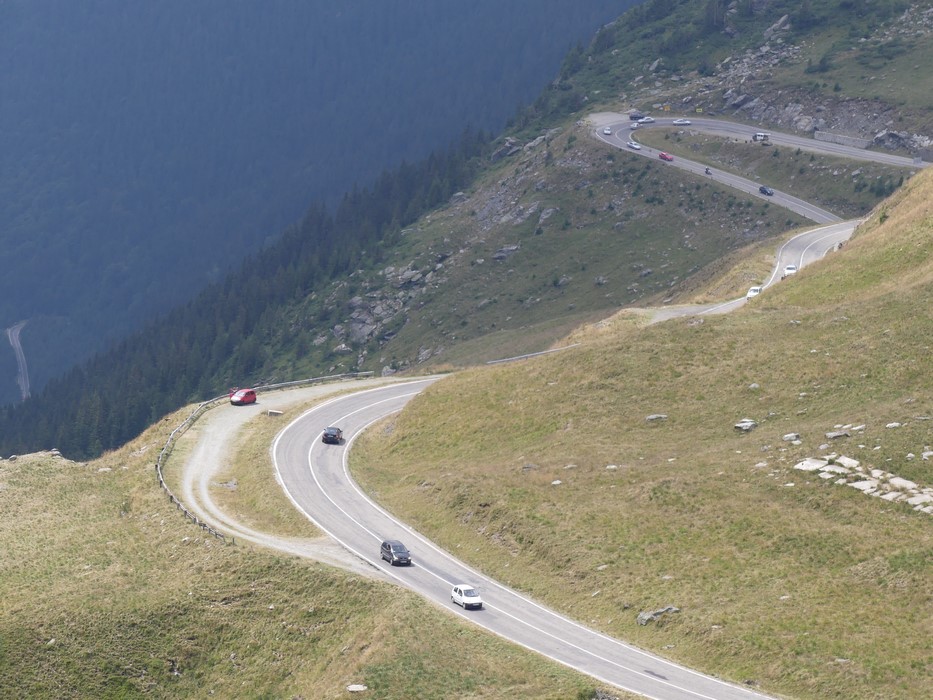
point(109, 593)
point(790, 582)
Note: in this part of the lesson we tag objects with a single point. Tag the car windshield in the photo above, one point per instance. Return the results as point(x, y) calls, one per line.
point(470, 593)
point(398, 549)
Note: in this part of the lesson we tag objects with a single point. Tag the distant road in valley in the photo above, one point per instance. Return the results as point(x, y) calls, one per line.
point(22, 375)
point(620, 125)
point(801, 250)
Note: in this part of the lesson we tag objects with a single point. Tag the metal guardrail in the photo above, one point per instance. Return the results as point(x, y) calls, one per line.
point(201, 410)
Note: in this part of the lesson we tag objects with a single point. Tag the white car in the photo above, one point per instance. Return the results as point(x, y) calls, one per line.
point(646, 120)
point(790, 270)
point(681, 122)
point(608, 131)
point(753, 292)
point(465, 595)
point(633, 144)
point(634, 125)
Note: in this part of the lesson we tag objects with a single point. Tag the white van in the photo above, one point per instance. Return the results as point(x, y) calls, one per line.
point(761, 136)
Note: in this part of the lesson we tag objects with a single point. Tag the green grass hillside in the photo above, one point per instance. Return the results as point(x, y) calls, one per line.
point(803, 586)
point(109, 593)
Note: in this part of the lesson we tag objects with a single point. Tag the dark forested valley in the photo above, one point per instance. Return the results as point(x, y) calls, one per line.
point(148, 147)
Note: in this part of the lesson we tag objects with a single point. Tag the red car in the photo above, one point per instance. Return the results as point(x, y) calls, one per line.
point(241, 397)
point(665, 156)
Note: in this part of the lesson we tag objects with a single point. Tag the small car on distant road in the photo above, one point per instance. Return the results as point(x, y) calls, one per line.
point(332, 436)
point(790, 270)
point(395, 552)
point(766, 190)
point(646, 120)
point(465, 595)
point(633, 144)
point(241, 397)
point(752, 292)
point(665, 156)
point(608, 131)
point(681, 122)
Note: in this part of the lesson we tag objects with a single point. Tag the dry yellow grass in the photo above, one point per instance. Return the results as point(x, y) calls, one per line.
point(811, 589)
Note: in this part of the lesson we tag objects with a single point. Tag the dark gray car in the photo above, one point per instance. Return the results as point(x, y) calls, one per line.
point(395, 552)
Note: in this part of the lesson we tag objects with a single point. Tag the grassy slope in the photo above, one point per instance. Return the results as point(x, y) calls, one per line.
point(109, 593)
point(813, 590)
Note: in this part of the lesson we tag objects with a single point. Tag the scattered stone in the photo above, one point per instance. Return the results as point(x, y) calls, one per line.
point(811, 464)
point(836, 434)
point(835, 469)
point(556, 482)
point(893, 425)
point(505, 251)
point(867, 486)
point(656, 416)
point(356, 688)
point(791, 437)
point(901, 484)
point(746, 425)
point(846, 462)
point(612, 467)
point(645, 617)
point(754, 386)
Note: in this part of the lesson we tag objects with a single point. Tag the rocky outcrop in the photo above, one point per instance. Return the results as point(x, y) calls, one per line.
point(647, 616)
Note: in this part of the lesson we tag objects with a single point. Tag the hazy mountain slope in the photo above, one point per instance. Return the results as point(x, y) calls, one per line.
point(148, 147)
point(561, 231)
point(548, 473)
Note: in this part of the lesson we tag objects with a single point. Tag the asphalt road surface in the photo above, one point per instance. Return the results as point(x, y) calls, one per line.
point(316, 479)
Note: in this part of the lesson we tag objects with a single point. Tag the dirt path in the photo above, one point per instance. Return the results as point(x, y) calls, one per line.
point(216, 432)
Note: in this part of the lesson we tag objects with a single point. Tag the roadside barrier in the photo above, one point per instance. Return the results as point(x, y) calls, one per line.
point(201, 409)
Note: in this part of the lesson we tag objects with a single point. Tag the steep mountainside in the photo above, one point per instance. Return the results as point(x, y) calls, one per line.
point(147, 148)
point(554, 230)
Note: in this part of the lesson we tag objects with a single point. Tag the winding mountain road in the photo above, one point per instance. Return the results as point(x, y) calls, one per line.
point(22, 374)
point(621, 132)
point(316, 479)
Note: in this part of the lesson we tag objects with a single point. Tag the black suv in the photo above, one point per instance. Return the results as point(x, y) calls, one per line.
point(395, 552)
point(332, 436)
